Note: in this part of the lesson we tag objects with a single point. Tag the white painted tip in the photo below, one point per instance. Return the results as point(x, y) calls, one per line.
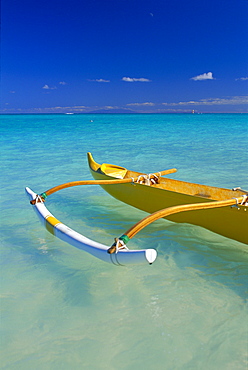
point(151, 255)
point(28, 191)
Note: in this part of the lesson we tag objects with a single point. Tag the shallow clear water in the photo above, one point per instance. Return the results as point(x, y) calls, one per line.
point(63, 308)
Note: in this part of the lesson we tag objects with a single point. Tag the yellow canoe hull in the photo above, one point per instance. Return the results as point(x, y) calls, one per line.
point(230, 222)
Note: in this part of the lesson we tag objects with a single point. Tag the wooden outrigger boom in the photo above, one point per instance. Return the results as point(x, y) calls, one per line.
point(163, 213)
point(104, 182)
point(220, 210)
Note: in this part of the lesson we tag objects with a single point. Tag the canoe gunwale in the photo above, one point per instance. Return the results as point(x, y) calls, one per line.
point(175, 186)
point(228, 221)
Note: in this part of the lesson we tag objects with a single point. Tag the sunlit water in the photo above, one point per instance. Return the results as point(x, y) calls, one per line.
point(64, 309)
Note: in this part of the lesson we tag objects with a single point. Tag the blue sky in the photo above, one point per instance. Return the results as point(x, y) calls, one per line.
point(124, 55)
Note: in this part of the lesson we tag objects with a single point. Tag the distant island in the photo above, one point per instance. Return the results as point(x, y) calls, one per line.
point(119, 111)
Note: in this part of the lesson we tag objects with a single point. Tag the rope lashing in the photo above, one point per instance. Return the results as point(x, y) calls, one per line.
point(140, 179)
point(38, 199)
point(119, 244)
point(245, 200)
point(237, 202)
point(150, 179)
point(153, 180)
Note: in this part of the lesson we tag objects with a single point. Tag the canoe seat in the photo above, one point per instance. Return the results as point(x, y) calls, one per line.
point(114, 171)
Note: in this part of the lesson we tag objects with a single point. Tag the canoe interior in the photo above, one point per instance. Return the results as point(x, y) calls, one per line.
point(182, 187)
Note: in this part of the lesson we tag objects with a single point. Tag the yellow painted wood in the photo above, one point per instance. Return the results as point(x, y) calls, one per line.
point(176, 209)
point(229, 221)
point(110, 169)
point(51, 222)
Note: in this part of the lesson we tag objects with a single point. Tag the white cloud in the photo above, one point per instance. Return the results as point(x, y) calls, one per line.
point(102, 80)
point(99, 80)
point(241, 79)
point(233, 100)
point(177, 110)
point(129, 79)
point(46, 87)
point(149, 104)
point(204, 76)
point(62, 83)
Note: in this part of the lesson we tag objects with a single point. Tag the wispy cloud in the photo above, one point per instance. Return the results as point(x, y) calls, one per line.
point(175, 110)
point(241, 79)
point(233, 100)
point(147, 104)
point(57, 109)
point(129, 79)
point(204, 76)
point(109, 107)
point(46, 87)
point(99, 80)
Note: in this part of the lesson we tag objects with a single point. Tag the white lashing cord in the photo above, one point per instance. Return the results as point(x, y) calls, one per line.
point(140, 179)
point(38, 199)
point(243, 203)
point(120, 245)
point(147, 179)
point(152, 180)
point(245, 200)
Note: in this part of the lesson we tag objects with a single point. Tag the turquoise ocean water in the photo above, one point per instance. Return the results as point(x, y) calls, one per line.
point(61, 308)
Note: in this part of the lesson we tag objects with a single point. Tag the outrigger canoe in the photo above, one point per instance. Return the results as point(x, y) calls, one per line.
point(222, 211)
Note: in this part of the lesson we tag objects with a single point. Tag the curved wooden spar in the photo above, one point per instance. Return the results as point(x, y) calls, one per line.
point(227, 221)
point(172, 210)
point(105, 182)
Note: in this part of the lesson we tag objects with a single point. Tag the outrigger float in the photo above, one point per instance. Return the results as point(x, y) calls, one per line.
point(222, 211)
